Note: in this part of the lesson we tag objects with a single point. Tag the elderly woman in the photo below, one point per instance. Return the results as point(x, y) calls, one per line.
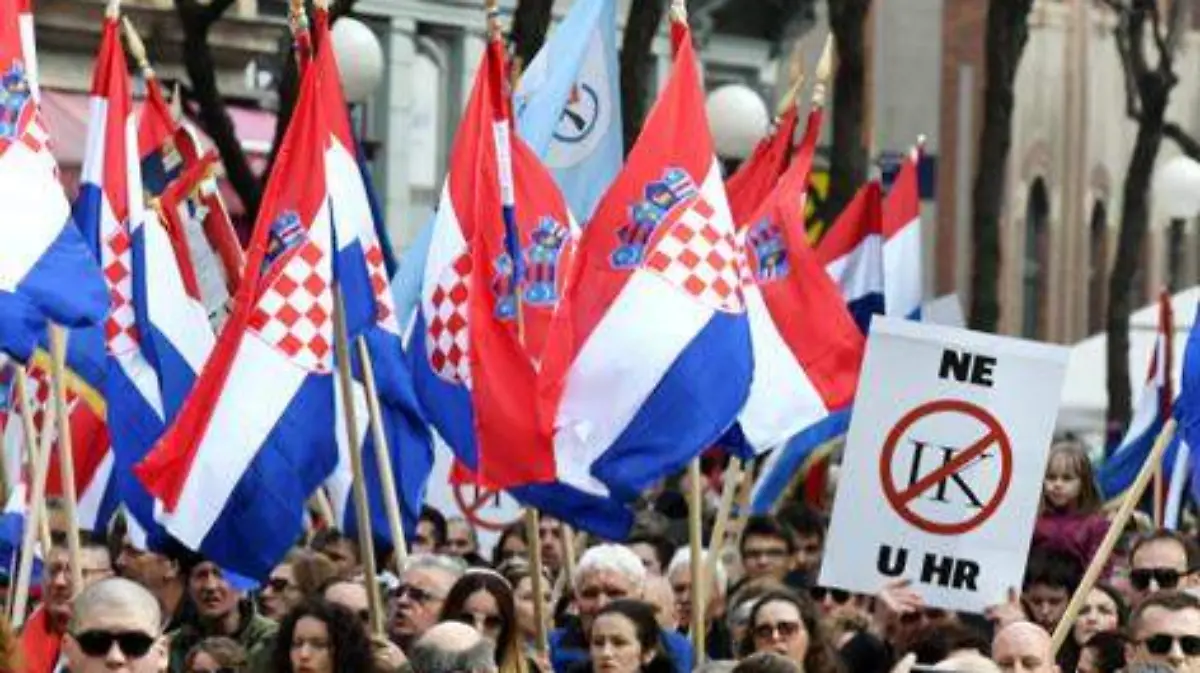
point(604, 574)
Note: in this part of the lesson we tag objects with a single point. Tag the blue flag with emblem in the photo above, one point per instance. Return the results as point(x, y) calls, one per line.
point(568, 104)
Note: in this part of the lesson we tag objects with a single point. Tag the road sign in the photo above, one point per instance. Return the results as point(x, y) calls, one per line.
point(944, 461)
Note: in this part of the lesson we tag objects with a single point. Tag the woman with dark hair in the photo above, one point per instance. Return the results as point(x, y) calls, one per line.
point(1103, 610)
point(317, 636)
point(787, 623)
point(213, 655)
point(511, 543)
point(625, 638)
point(520, 577)
point(483, 599)
point(301, 575)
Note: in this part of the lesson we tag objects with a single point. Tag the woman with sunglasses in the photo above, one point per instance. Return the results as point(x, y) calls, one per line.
point(301, 575)
point(215, 655)
point(483, 599)
point(787, 623)
point(317, 636)
point(626, 638)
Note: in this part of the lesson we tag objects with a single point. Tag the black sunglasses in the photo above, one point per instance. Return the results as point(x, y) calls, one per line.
point(98, 643)
point(1160, 644)
point(928, 614)
point(836, 595)
point(278, 584)
point(1167, 578)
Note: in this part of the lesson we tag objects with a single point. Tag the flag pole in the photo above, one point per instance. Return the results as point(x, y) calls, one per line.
point(1100, 558)
point(37, 497)
point(66, 456)
point(716, 541)
point(796, 77)
point(695, 509)
point(32, 454)
point(366, 543)
point(537, 579)
point(383, 460)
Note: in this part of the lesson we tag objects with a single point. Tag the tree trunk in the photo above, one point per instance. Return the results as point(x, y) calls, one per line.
point(530, 24)
point(1135, 217)
point(1007, 33)
point(637, 65)
point(214, 117)
point(848, 154)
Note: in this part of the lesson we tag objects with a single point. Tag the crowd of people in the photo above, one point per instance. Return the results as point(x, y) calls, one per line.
point(625, 607)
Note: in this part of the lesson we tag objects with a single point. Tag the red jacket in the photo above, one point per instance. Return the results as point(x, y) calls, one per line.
point(39, 646)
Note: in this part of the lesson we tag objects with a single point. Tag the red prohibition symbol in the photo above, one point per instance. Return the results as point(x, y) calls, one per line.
point(902, 498)
point(472, 505)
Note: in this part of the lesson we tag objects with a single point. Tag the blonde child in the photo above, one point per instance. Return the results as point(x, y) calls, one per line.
point(1070, 518)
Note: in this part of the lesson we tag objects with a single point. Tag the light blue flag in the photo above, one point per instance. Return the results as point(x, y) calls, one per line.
point(406, 283)
point(569, 104)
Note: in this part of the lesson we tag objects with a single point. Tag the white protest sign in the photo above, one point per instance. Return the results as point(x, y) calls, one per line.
point(942, 472)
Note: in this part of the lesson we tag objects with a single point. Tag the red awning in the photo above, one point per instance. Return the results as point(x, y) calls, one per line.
point(66, 116)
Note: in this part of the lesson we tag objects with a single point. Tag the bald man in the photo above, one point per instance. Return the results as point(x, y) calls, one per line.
point(115, 624)
point(1023, 647)
point(452, 647)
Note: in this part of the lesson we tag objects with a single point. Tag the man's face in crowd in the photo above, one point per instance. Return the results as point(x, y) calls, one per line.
point(1157, 565)
point(56, 584)
point(344, 556)
point(418, 602)
point(648, 556)
point(765, 556)
point(550, 533)
point(599, 588)
point(211, 593)
point(1168, 637)
point(808, 554)
point(147, 568)
point(1046, 604)
point(138, 649)
point(1023, 648)
point(425, 541)
point(459, 538)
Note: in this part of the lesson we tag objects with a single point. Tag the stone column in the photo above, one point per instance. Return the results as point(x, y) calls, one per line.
point(401, 52)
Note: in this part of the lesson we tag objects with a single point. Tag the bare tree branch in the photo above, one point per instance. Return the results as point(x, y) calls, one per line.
point(1125, 51)
point(215, 10)
point(1182, 139)
point(1175, 27)
point(1156, 24)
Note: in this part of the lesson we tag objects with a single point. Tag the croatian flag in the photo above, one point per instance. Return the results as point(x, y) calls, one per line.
point(852, 254)
point(756, 178)
point(807, 349)
point(477, 320)
point(650, 358)
point(902, 269)
point(46, 270)
point(1187, 407)
point(569, 104)
point(256, 436)
point(1152, 410)
point(157, 336)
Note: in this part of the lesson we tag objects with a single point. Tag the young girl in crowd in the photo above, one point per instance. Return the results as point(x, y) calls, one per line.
point(1070, 519)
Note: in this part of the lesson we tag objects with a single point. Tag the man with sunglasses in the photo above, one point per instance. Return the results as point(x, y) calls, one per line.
point(416, 603)
point(1165, 630)
point(1162, 560)
point(116, 625)
point(41, 639)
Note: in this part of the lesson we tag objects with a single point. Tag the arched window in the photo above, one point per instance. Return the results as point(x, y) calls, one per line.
point(1097, 268)
point(1037, 240)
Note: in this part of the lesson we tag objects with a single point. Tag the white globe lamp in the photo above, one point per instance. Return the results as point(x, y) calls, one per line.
point(738, 119)
point(1177, 187)
point(359, 58)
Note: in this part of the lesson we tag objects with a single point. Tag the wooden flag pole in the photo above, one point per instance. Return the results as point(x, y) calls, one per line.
point(1100, 558)
point(537, 577)
point(32, 453)
point(569, 557)
point(695, 510)
point(716, 541)
point(366, 543)
point(66, 455)
point(320, 501)
point(796, 77)
point(383, 459)
point(35, 512)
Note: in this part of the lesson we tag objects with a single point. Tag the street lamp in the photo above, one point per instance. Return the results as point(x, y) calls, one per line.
point(1177, 189)
point(738, 119)
point(359, 59)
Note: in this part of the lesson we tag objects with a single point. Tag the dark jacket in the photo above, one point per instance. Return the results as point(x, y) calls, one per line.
point(568, 648)
point(256, 634)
